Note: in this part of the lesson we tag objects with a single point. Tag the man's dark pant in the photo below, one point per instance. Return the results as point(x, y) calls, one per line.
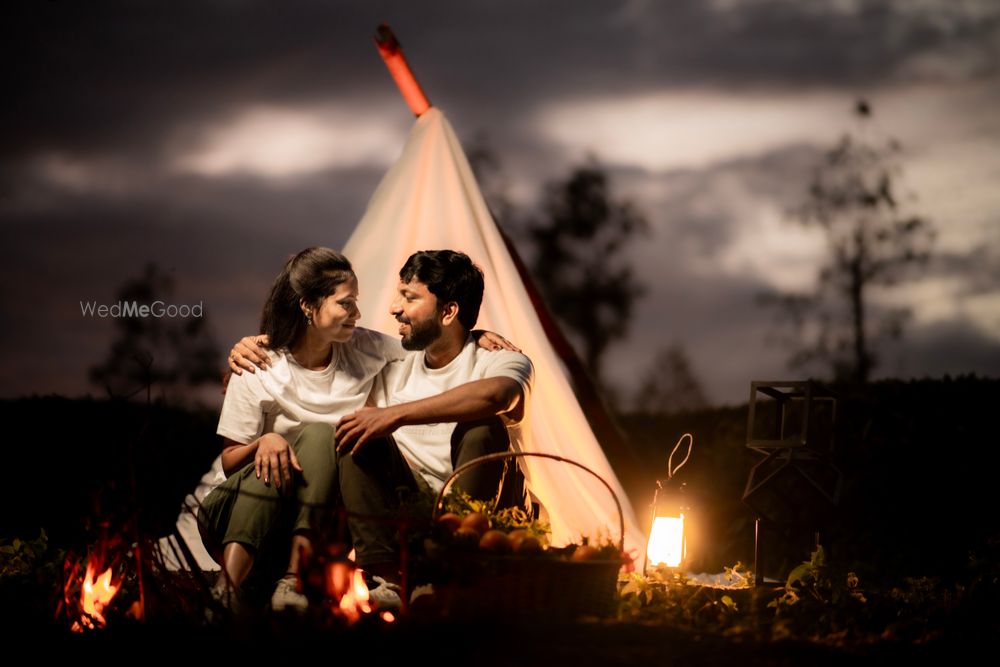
point(372, 482)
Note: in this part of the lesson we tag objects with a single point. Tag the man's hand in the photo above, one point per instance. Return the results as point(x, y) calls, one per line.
point(357, 428)
point(274, 459)
point(249, 355)
point(489, 340)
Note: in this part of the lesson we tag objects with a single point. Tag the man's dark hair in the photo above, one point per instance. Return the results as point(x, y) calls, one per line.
point(450, 276)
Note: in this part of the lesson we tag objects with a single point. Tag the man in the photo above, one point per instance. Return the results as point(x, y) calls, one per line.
point(447, 402)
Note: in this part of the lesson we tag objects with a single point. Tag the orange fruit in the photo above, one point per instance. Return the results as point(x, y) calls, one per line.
point(495, 541)
point(477, 521)
point(529, 546)
point(466, 537)
point(516, 536)
point(449, 522)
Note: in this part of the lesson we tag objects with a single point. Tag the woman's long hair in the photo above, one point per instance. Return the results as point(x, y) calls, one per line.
point(312, 275)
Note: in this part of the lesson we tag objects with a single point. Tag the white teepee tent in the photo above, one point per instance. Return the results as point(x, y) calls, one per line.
point(430, 200)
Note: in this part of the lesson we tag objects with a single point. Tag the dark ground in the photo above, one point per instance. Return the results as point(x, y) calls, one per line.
point(919, 462)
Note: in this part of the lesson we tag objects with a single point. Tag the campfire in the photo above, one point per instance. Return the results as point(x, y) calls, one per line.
point(346, 587)
point(343, 587)
point(96, 593)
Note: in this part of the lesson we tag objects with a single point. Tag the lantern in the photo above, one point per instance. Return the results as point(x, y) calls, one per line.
point(668, 534)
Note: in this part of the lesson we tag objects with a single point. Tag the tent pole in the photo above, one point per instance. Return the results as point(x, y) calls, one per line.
point(392, 53)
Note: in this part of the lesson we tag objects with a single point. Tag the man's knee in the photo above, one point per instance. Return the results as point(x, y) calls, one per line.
point(474, 439)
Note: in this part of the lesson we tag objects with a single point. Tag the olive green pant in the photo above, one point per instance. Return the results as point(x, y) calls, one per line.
point(373, 483)
point(263, 517)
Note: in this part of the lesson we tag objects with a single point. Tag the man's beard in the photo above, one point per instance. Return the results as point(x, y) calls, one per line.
point(421, 334)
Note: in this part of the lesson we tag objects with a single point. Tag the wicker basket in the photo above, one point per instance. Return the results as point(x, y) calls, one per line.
point(531, 587)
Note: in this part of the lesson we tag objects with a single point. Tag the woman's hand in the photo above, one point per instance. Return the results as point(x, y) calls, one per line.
point(248, 354)
point(493, 341)
point(275, 459)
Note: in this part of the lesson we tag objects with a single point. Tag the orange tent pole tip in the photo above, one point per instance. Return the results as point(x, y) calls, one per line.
point(392, 54)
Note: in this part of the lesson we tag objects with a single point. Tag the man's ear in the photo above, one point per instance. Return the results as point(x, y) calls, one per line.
point(449, 313)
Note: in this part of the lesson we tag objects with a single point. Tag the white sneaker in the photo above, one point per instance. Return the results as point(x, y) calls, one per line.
point(385, 595)
point(287, 597)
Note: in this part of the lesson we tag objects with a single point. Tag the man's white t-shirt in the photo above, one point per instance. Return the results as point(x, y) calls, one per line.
point(427, 447)
point(286, 397)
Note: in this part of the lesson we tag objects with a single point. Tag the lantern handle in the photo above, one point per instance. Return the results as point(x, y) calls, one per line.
point(671, 470)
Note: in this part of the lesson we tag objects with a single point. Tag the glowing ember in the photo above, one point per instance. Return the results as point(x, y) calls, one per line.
point(388, 617)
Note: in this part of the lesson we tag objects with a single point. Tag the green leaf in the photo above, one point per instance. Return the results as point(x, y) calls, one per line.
point(631, 588)
point(799, 574)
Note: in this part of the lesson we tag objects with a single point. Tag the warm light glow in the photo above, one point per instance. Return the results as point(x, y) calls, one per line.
point(358, 595)
point(346, 584)
point(95, 596)
point(667, 545)
point(388, 617)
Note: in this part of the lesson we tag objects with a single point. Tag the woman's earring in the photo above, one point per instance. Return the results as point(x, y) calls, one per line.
point(309, 318)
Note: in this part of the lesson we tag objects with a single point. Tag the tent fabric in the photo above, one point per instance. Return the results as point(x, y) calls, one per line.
point(429, 200)
point(171, 553)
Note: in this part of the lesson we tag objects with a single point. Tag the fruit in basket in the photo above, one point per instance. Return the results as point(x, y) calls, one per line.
point(529, 546)
point(523, 542)
point(449, 522)
point(516, 537)
point(477, 521)
point(466, 538)
point(495, 541)
point(584, 553)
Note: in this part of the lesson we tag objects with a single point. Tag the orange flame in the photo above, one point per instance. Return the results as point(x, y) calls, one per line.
point(95, 596)
point(345, 583)
point(355, 602)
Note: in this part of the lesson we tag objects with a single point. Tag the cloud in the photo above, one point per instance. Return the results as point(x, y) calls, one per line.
point(122, 75)
point(280, 143)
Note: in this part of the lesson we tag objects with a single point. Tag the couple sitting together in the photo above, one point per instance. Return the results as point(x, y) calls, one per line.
point(343, 417)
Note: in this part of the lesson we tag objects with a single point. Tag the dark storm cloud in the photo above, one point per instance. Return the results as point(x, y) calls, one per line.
point(689, 211)
point(87, 77)
point(956, 347)
point(978, 269)
point(116, 88)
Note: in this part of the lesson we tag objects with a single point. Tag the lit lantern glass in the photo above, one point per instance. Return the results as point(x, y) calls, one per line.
point(667, 543)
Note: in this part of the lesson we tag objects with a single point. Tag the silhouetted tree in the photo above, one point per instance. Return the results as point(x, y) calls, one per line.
point(578, 264)
point(872, 242)
point(670, 384)
point(488, 169)
point(172, 355)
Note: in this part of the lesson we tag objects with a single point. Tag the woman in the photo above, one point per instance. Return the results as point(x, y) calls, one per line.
point(279, 455)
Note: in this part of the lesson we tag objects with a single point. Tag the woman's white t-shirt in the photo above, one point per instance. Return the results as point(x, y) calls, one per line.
point(286, 397)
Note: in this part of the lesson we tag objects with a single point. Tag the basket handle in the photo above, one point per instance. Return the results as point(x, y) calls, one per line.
point(503, 456)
